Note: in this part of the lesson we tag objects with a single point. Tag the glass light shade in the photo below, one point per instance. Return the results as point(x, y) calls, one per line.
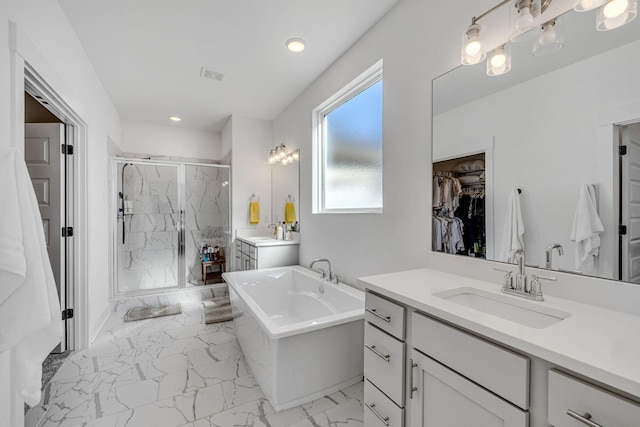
point(524, 18)
point(289, 158)
point(550, 39)
point(615, 14)
point(296, 155)
point(499, 61)
point(585, 5)
point(472, 46)
point(282, 151)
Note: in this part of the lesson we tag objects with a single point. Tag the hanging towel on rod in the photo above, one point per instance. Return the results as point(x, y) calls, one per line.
point(586, 230)
point(513, 236)
point(254, 209)
point(290, 210)
point(30, 320)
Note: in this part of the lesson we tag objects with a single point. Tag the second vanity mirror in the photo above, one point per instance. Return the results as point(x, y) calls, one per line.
point(545, 131)
point(285, 187)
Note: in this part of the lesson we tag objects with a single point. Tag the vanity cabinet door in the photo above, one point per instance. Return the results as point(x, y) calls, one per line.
point(444, 398)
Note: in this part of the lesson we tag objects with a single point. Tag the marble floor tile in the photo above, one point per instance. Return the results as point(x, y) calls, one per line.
point(175, 371)
point(241, 390)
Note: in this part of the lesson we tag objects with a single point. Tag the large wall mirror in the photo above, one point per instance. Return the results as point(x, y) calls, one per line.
point(550, 128)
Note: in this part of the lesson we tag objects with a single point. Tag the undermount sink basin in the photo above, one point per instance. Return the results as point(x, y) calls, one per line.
point(527, 313)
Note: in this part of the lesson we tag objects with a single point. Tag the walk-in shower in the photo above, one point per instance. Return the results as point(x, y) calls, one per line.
point(163, 213)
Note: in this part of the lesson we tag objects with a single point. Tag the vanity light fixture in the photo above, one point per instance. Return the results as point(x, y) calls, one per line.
point(551, 38)
point(295, 45)
point(472, 48)
point(523, 19)
point(499, 60)
point(279, 154)
point(525, 15)
point(616, 13)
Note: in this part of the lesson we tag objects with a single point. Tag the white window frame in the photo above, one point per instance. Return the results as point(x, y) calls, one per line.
point(361, 83)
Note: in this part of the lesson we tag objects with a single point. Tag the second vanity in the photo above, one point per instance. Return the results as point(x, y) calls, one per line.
point(447, 350)
point(253, 253)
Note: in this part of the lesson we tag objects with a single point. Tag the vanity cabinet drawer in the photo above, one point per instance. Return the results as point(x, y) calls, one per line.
point(379, 410)
point(251, 251)
point(497, 369)
point(569, 396)
point(385, 314)
point(384, 362)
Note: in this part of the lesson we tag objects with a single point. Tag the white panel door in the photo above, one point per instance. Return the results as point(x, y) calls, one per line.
point(444, 398)
point(42, 151)
point(630, 197)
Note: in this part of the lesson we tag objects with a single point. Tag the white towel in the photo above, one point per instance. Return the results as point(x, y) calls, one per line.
point(513, 236)
point(30, 320)
point(586, 230)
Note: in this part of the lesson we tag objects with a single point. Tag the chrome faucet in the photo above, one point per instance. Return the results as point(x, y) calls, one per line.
point(521, 277)
point(522, 288)
point(549, 254)
point(323, 274)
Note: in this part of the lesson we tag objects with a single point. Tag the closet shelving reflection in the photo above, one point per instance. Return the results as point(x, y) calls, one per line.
point(459, 207)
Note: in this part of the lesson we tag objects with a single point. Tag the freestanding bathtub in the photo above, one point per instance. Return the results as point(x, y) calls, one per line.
point(302, 337)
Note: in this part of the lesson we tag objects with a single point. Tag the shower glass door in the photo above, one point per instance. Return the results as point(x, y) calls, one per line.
point(164, 212)
point(148, 226)
point(206, 220)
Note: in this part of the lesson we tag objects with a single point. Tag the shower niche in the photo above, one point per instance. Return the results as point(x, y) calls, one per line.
point(163, 213)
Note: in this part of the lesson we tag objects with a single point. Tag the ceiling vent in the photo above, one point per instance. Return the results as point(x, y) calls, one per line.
point(212, 74)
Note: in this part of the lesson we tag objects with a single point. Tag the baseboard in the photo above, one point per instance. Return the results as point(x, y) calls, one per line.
point(97, 327)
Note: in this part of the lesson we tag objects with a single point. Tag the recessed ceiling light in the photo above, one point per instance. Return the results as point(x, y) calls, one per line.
point(175, 118)
point(295, 45)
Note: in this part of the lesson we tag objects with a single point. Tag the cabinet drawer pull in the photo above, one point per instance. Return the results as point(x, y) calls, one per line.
point(411, 387)
point(380, 316)
point(585, 419)
point(385, 420)
point(377, 353)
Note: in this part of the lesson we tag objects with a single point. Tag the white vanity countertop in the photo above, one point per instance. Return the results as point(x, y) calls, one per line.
point(598, 343)
point(268, 241)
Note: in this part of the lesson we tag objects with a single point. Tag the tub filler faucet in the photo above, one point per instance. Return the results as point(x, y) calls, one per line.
point(323, 274)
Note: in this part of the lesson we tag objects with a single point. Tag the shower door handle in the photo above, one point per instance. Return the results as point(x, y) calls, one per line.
point(180, 233)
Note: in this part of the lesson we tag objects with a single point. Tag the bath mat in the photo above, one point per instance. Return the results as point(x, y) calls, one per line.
point(217, 310)
point(139, 313)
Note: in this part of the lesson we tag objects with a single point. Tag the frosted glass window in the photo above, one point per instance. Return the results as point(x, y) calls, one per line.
point(349, 150)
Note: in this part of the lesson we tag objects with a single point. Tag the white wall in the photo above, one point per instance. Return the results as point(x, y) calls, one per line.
point(418, 41)
point(69, 71)
point(225, 140)
point(250, 172)
point(176, 141)
point(551, 150)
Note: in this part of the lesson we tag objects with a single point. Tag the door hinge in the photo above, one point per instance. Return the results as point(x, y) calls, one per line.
point(67, 231)
point(622, 230)
point(623, 150)
point(67, 314)
point(67, 149)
